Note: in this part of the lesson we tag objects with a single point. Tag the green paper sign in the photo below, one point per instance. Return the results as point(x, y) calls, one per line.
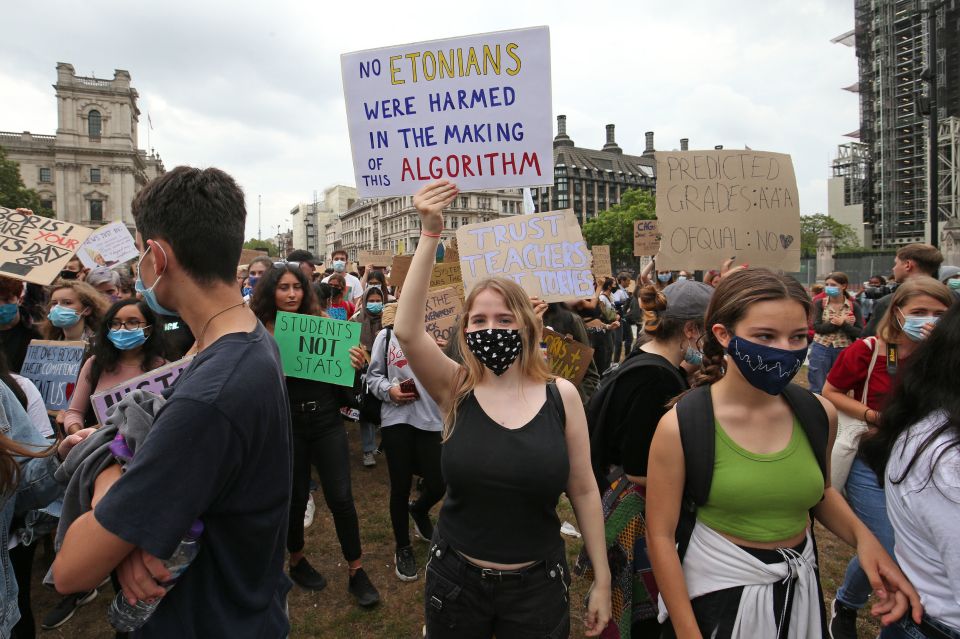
point(316, 348)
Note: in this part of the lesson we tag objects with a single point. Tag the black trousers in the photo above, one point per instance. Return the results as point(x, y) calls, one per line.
point(321, 440)
point(410, 451)
point(462, 604)
point(602, 344)
point(22, 559)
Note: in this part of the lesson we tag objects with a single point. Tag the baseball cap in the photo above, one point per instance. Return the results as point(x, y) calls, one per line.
point(946, 272)
point(687, 300)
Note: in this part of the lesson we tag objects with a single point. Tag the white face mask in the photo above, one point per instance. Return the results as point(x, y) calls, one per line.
point(339, 266)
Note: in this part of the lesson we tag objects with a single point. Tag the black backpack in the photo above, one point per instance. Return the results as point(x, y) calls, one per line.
point(597, 421)
point(696, 420)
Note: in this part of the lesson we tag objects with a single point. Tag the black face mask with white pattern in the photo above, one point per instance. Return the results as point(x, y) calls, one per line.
point(497, 348)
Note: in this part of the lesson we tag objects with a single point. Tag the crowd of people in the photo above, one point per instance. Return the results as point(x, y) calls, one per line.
point(694, 464)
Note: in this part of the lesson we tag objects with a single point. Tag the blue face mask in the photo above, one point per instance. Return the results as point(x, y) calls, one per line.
point(252, 281)
point(832, 291)
point(765, 367)
point(664, 277)
point(125, 340)
point(681, 278)
point(375, 307)
point(148, 295)
point(8, 313)
point(63, 317)
point(912, 326)
point(339, 266)
point(246, 291)
point(693, 356)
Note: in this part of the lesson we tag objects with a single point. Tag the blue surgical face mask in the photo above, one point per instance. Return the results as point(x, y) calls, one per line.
point(681, 278)
point(252, 281)
point(246, 291)
point(832, 291)
point(954, 284)
point(912, 325)
point(375, 307)
point(693, 356)
point(664, 277)
point(765, 367)
point(63, 317)
point(149, 296)
point(339, 266)
point(126, 339)
point(8, 313)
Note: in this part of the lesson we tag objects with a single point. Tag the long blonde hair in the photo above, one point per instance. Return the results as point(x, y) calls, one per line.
point(531, 362)
point(889, 329)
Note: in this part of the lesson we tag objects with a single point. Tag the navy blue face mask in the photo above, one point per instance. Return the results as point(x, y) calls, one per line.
point(765, 367)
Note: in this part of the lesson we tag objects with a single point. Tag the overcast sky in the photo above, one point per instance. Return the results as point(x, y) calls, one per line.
point(254, 87)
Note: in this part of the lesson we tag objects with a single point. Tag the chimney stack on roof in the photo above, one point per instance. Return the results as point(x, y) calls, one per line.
point(562, 138)
point(719, 147)
point(684, 144)
point(611, 145)
point(649, 150)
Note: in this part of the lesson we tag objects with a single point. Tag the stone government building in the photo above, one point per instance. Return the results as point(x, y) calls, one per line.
point(91, 169)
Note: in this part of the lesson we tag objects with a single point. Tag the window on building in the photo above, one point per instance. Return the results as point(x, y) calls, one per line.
point(46, 204)
point(464, 221)
point(94, 125)
point(464, 202)
point(96, 210)
point(95, 175)
point(483, 203)
point(46, 175)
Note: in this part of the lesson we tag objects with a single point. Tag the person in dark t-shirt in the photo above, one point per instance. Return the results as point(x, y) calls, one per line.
point(219, 449)
point(16, 330)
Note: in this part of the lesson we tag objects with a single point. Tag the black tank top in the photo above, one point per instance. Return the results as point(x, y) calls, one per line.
point(503, 484)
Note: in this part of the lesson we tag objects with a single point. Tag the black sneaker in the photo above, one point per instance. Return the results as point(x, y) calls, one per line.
point(422, 525)
point(65, 608)
point(843, 621)
point(406, 564)
point(306, 576)
point(361, 588)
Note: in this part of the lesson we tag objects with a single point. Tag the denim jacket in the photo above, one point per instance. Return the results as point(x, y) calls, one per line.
point(36, 489)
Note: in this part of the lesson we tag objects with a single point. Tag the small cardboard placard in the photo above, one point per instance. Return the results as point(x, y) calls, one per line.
point(475, 109)
point(108, 245)
point(568, 359)
point(316, 348)
point(249, 255)
point(53, 367)
point(399, 268)
point(646, 238)
point(379, 257)
point(602, 265)
point(444, 307)
point(543, 252)
point(155, 381)
point(35, 249)
point(714, 204)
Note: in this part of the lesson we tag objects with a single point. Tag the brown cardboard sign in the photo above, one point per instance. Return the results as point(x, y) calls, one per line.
point(568, 359)
point(646, 238)
point(712, 205)
point(543, 252)
point(248, 255)
point(444, 307)
point(399, 267)
point(379, 257)
point(602, 265)
point(35, 249)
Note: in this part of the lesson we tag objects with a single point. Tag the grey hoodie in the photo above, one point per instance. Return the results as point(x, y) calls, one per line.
point(423, 413)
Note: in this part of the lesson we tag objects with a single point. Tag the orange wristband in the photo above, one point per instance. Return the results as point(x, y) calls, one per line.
point(430, 234)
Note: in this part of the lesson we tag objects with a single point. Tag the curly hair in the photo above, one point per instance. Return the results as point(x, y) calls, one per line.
point(88, 296)
point(733, 296)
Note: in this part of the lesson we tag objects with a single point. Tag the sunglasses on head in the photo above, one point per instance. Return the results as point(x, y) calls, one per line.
point(285, 264)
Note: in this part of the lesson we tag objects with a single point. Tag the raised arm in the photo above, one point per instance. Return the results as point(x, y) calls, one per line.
point(644, 276)
point(435, 370)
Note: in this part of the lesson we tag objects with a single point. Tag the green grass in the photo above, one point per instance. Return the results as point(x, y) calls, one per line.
point(332, 613)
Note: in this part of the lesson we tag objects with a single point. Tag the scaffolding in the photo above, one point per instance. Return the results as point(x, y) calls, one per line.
point(948, 154)
point(852, 164)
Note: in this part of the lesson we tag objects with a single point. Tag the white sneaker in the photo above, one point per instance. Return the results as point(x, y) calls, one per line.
point(310, 512)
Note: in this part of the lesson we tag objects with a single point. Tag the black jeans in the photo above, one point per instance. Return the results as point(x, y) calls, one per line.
point(462, 604)
point(410, 451)
point(321, 440)
point(602, 344)
point(22, 559)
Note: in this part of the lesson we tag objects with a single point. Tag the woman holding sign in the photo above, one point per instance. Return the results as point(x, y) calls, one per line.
point(514, 439)
point(318, 438)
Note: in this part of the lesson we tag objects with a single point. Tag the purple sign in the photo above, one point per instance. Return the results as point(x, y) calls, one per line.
point(155, 381)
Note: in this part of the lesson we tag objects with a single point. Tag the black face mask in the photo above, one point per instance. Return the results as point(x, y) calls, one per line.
point(496, 348)
point(68, 275)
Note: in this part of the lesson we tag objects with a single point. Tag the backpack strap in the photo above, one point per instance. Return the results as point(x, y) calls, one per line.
point(813, 419)
point(697, 437)
point(553, 396)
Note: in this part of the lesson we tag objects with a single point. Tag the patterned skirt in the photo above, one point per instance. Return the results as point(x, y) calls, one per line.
point(634, 591)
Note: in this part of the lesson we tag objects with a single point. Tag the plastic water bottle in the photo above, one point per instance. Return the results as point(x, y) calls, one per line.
point(127, 618)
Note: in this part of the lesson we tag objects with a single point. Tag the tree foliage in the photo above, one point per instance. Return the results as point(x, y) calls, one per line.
point(614, 226)
point(261, 245)
point(13, 193)
point(844, 237)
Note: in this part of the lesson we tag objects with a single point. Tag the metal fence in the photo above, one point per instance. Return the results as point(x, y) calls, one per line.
point(859, 267)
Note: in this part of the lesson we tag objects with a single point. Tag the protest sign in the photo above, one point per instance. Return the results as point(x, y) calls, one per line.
point(444, 307)
point(446, 274)
point(248, 255)
point(712, 205)
point(35, 249)
point(474, 109)
point(380, 257)
point(544, 253)
point(53, 367)
point(398, 269)
point(568, 359)
point(316, 348)
point(108, 245)
point(646, 238)
point(602, 265)
point(155, 381)
point(452, 253)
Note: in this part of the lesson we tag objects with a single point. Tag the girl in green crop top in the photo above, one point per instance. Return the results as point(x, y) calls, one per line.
point(766, 479)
